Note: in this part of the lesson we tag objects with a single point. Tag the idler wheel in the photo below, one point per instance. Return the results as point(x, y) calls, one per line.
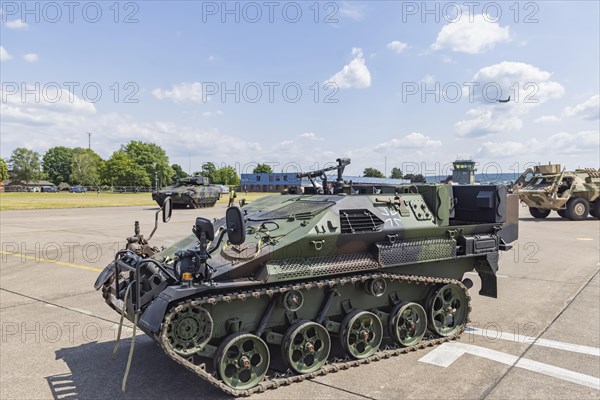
point(306, 346)
point(407, 323)
point(361, 334)
point(242, 360)
point(190, 330)
point(447, 309)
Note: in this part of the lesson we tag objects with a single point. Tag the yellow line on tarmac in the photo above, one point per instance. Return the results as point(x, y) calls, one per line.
point(38, 259)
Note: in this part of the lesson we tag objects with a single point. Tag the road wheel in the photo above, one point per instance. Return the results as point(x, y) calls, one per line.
point(562, 213)
point(242, 360)
point(595, 209)
point(577, 209)
point(538, 212)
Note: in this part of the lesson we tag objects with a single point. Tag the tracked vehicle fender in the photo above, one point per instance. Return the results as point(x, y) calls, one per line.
point(487, 268)
point(155, 313)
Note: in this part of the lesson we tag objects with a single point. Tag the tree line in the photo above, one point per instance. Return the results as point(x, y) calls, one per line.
point(134, 164)
point(395, 173)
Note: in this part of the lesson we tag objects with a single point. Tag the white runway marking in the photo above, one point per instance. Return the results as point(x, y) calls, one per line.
point(575, 348)
point(497, 276)
point(80, 310)
point(447, 353)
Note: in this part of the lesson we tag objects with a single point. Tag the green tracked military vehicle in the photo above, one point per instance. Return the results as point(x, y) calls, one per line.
point(296, 286)
point(572, 194)
point(192, 192)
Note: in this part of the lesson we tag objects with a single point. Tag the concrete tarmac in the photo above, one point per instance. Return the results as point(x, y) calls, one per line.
point(58, 334)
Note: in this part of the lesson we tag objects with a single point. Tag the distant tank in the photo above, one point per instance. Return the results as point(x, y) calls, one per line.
point(193, 192)
point(546, 188)
point(301, 285)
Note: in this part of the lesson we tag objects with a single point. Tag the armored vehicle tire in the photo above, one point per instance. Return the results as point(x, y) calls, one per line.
point(306, 346)
point(407, 323)
point(562, 213)
point(538, 212)
point(242, 360)
point(447, 309)
point(577, 209)
point(361, 334)
point(595, 209)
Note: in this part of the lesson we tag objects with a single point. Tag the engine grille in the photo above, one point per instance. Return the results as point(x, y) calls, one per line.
point(300, 268)
point(415, 251)
point(356, 221)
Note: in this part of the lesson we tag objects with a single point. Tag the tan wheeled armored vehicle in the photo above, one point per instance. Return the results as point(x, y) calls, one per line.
point(572, 195)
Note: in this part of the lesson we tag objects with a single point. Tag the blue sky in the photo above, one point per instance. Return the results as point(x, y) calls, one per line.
point(373, 59)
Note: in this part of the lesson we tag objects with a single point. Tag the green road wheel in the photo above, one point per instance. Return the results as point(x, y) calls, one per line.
point(407, 323)
point(361, 334)
point(447, 309)
point(242, 360)
point(190, 330)
point(306, 346)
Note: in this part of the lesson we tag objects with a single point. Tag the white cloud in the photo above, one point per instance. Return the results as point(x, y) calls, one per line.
point(534, 85)
point(31, 57)
point(4, 55)
point(560, 143)
point(212, 113)
point(471, 37)
point(589, 109)
point(353, 75)
point(311, 136)
point(414, 140)
point(528, 87)
point(503, 149)
point(182, 92)
point(351, 11)
point(428, 79)
point(484, 121)
point(398, 46)
point(211, 58)
point(16, 24)
point(547, 119)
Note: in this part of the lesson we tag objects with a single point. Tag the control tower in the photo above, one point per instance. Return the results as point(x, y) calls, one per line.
point(464, 171)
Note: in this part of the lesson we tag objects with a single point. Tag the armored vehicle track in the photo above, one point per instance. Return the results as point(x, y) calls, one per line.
point(260, 377)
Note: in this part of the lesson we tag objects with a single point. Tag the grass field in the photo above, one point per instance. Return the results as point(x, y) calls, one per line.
point(30, 201)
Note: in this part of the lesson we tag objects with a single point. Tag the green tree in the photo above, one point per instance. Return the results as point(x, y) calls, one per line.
point(262, 169)
point(396, 173)
point(210, 171)
point(121, 170)
point(3, 170)
point(152, 158)
point(418, 178)
point(57, 164)
point(85, 167)
point(373, 173)
point(25, 165)
point(179, 172)
point(227, 176)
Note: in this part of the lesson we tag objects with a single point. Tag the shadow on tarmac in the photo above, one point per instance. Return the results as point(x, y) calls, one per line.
point(554, 219)
point(94, 375)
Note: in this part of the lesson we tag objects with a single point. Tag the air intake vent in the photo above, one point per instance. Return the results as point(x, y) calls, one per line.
point(356, 221)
